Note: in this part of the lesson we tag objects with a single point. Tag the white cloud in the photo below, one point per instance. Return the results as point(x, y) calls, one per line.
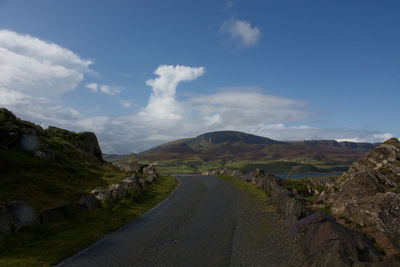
point(94, 87)
point(104, 89)
point(283, 132)
point(383, 136)
point(32, 71)
point(242, 32)
point(126, 103)
point(162, 103)
point(230, 109)
point(38, 68)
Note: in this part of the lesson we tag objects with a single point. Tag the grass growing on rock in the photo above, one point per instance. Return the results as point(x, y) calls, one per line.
point(48, 244)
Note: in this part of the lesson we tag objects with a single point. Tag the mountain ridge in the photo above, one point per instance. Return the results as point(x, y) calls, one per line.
point(240, 145)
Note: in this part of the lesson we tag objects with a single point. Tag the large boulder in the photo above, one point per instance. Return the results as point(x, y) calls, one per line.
point(101, 195)
point(65, 210)
point(16, 215)
point(325, 242)
point(150, 173)
point(90, 202)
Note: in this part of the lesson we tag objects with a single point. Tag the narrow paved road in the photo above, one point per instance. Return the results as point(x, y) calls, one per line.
point(206, 222)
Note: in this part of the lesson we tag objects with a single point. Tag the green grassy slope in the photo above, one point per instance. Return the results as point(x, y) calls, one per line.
point(48, 244)
point(46, 183)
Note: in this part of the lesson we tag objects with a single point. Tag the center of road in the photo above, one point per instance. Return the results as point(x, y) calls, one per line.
point(205, 222)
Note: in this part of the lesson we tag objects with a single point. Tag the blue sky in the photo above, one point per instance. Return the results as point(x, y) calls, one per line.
point(139, 73)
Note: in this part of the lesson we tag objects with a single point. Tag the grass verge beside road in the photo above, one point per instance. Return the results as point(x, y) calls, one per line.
point(252, 190)
point(48, 244)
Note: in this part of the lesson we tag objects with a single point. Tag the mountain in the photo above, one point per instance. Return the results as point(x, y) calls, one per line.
point(45, 167)
point(233, 145)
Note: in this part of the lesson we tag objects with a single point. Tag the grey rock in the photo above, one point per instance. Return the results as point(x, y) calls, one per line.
point(364, 196)
point(16, 215)
point(101, 195)
point(66, 210)
point(90, 202)
point(327, 243)
point(44, 154)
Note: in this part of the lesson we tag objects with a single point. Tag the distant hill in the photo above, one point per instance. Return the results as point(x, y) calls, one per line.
point(233, 145)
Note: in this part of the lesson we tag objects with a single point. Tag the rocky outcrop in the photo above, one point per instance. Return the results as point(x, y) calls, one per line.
point(16, 215)
point(324, 241)
point(45, 144)
point(88, 143)
point(84, 142)
point(15, 133)
point(327, 243)
point(367, 196)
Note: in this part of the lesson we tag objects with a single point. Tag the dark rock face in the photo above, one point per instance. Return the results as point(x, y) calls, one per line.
point(87, 141)
point(366, 196)
point(16, 215)
point(327, 243)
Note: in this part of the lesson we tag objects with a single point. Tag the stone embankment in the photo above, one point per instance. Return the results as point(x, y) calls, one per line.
point(324, 241)
point(17, 214)
point(367, 197)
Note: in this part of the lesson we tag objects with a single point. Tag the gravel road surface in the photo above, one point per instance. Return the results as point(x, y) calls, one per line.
point(205, 222)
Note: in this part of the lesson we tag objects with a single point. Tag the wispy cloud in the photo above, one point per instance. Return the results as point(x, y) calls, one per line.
point(104, 89)
point(126, 103)
point(241, 32)
point(229, 4)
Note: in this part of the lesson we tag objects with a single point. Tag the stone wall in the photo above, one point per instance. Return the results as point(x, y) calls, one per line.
point(17, 215)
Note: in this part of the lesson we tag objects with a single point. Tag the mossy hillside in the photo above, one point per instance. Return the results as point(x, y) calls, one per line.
point(47, 183)
point(71, 165)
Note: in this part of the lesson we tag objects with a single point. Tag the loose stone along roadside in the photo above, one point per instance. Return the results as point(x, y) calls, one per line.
point(17, 214)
